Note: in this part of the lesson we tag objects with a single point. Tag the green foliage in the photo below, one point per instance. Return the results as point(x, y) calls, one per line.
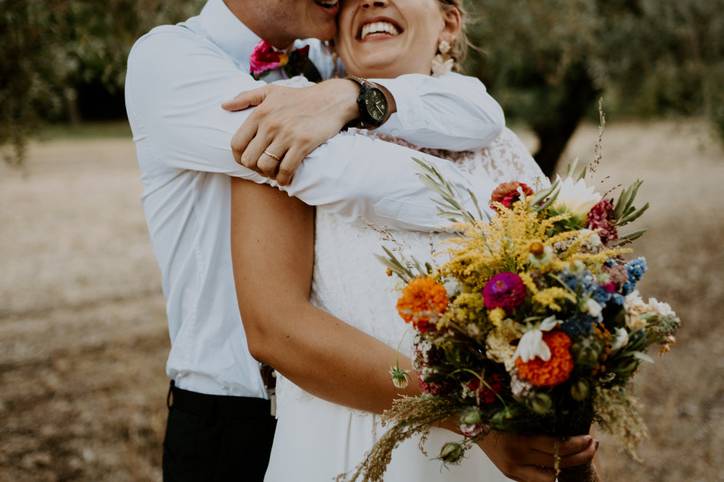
point(49, 46)
point(547, 61)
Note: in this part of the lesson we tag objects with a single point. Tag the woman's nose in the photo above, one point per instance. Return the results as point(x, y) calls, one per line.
point(374, 3)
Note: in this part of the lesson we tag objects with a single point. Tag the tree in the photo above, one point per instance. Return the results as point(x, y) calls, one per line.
point(549, 60)
point(48, 47)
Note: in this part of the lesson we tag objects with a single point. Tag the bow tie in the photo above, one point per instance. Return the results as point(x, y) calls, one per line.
point(265, 59)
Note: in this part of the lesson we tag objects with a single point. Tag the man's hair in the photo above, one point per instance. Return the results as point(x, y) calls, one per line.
point(462, 43)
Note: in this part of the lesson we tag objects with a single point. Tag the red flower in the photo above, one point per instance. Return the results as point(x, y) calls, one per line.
point(504, 290)
point(508, 193)
point(487, 393)
point(431, 388)
point(602, 219)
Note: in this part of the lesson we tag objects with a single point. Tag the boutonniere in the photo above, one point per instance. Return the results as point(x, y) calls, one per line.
point(265, 58)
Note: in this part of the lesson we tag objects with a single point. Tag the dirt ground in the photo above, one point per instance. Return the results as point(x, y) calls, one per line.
point(83, 337)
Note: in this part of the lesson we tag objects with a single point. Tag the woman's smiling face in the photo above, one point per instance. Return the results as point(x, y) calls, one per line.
point(389, 38)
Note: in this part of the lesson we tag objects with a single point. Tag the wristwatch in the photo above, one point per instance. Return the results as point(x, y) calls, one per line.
point(375, 103)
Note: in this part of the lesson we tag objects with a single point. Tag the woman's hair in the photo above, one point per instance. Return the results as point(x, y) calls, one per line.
point(460, 45)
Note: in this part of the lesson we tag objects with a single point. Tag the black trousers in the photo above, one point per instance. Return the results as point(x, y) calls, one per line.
point(216, 438)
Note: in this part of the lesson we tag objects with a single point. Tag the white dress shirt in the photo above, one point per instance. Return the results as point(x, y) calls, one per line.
point(178, 76)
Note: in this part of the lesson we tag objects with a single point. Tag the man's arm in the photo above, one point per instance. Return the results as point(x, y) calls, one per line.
point(321, 353)
point(453, 112)
point(176, 83)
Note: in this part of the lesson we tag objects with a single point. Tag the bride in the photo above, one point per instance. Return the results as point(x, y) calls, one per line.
point(317, 440)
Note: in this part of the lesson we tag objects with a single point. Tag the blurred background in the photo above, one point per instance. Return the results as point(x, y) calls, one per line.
point(83, 336)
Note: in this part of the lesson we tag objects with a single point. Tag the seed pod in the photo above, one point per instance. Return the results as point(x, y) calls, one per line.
point(580, 390)
point(452, 453)
point(400, 378)
point(471, 417)
point(541, 403)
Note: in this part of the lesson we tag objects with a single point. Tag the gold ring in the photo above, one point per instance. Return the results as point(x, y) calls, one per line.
point(278, 159)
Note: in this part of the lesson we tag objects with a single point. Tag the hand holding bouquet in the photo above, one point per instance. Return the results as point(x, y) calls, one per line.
point(533, 326)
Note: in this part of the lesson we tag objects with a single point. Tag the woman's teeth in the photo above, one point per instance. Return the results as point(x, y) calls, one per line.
point(379, 27)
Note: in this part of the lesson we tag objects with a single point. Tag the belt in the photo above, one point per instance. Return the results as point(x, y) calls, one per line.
point(202, 404)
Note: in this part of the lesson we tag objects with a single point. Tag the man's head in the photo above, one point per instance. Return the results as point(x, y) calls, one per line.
point(283, 21)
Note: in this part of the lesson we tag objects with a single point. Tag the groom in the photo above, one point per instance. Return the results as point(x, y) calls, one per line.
point(219, 425)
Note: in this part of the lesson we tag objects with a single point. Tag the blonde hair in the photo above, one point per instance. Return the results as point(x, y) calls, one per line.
point(462, 43)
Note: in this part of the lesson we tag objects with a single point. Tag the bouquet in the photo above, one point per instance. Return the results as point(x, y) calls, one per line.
point(534, 324)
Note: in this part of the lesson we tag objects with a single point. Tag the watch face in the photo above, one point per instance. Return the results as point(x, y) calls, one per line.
point(376, 103)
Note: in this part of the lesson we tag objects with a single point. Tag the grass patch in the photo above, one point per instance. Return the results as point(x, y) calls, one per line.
point(85, 131)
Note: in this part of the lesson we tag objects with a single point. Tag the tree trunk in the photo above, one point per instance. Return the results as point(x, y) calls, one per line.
point(576, 94)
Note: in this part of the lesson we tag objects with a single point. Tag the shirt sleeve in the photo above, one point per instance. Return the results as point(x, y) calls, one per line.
point(175, 85)
point(452, 112)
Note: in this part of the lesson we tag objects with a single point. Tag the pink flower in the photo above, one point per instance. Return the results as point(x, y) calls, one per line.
point(266, 58)
point(504, 290)
point(602, 219)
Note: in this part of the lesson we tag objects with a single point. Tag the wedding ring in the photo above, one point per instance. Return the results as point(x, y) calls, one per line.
point(273, 156)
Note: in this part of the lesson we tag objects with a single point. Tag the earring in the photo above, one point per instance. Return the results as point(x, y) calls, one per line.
point(443, 63)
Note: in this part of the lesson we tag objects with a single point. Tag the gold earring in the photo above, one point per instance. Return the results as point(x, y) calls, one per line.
point(443, 63)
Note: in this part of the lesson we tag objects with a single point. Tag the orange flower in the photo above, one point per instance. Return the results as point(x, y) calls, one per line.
point(422, 301)
point(553, 372)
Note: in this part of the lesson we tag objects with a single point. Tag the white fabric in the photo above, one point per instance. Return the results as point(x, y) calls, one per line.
point(178, 76)
point(316, 440)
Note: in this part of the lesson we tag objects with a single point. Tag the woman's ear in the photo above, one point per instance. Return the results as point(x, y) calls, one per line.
point(452, 25)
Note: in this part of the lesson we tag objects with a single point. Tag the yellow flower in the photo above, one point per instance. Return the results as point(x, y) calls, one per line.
point(496, 317)
point(550, 297)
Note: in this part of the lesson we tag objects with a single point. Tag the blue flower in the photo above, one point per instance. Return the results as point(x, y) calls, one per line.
point(636, 269)
point(601, 296)
point(579, 325)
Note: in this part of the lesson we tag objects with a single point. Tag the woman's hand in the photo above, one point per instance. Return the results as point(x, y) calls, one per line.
point(532, 458)
point(289, 123)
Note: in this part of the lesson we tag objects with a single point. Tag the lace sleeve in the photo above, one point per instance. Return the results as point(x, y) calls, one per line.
point(506, 159)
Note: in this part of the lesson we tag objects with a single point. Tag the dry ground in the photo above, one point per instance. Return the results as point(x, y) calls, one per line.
point(83, 338)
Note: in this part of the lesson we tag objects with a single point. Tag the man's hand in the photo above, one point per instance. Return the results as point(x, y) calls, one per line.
point(532, 458)
point(289, 123)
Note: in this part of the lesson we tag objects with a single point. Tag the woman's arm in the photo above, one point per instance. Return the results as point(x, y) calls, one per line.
point(273, 255)
point(312, 348)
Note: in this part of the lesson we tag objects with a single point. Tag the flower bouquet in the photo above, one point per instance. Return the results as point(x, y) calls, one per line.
point(534, 324)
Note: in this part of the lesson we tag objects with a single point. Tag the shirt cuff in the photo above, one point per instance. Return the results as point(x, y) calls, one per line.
point(405, 92)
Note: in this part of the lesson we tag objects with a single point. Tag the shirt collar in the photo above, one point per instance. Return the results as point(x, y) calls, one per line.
point(228, 32)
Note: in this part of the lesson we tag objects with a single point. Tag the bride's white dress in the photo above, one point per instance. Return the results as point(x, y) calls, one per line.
point(317, 440)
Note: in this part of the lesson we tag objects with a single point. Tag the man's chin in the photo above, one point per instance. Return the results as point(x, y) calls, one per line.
point(326, 31)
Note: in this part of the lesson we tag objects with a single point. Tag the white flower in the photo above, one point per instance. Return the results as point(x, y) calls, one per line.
point(662, 309)
point(621, 339)
point(593, 240)
point(532, 346)
point(576, 197)
point(594, 308)
point(636, 311)
point(519, 388)
point(633, 301)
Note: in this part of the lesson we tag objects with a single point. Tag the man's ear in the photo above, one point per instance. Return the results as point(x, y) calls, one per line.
point(452, 25)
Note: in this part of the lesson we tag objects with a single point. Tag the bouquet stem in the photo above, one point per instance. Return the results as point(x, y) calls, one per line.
point(583, 473)
point(577, 422)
